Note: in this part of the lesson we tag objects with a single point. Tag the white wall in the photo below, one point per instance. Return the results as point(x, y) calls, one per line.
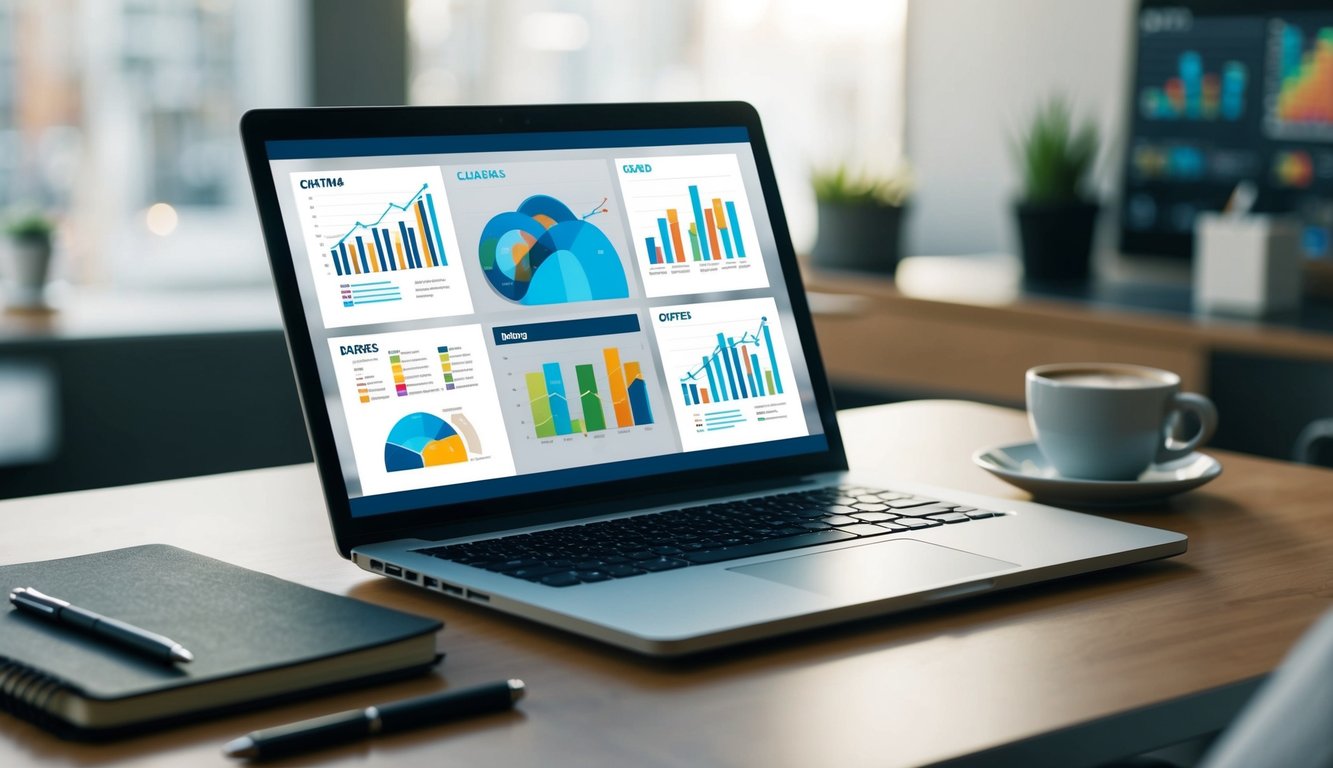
point(975, 69)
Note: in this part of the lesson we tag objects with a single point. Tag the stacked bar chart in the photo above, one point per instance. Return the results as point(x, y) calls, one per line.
point(692, 224)
point(733, 370)
point(554, 405)
point(381, 244)
point(1300, 86)
point(405, 236)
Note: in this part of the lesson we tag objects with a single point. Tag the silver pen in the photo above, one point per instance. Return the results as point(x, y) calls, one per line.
point(31, 601)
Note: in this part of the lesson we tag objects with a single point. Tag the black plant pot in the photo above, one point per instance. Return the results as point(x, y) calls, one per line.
point(1056, 240)
point(864, 237)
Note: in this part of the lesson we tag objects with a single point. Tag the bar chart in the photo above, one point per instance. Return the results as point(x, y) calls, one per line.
point(1300, 85)
point(381, 244)
point(1195, 94)
point(554, 406)
point(730, 373)
point(692, 224)
point(390, 243)
point(733, 370)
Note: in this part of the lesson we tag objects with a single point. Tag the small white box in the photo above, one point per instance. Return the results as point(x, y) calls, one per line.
point(1246, 265)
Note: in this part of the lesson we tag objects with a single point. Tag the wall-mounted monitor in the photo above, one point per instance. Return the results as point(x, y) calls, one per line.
point(1225, 91)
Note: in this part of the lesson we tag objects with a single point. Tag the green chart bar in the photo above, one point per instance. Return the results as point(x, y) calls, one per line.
point(543, 420)
point(594, 418)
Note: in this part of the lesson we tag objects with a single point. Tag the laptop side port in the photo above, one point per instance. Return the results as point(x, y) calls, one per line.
point(451, 589)
point(429, 583)
point(410, 575)
point(376, 565)
point(478, 596)
point(393, 570)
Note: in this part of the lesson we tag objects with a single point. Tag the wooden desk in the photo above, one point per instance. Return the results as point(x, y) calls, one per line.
point(1068, 673)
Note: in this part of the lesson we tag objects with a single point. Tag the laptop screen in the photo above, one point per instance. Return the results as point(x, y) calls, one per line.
point(506, 314)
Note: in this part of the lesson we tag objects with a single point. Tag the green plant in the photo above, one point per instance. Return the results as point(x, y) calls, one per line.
point(30, 226)
point(1054, 156)
point(840, 186)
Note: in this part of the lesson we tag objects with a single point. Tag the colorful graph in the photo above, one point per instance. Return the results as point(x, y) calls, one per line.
point(543, 254)
point(550, 402)
point(1193, 94)
point(425, 440)
point(405, 236)
point(1293, 168)
point(1301, 100)
point(712, 224)
point(733, 370)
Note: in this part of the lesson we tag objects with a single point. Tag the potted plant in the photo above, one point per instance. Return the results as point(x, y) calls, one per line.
point(29, 259)
point(1056, 212)
point(860, 219)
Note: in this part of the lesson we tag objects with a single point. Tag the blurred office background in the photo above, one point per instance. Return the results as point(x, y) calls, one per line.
point(119, 118)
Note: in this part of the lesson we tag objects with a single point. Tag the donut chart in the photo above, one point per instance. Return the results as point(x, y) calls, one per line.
point(543, 254)
point(423, 440)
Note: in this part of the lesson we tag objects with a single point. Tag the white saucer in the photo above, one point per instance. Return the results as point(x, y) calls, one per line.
point(1023, 465)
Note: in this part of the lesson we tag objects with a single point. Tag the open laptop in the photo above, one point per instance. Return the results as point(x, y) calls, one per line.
point(557, 360)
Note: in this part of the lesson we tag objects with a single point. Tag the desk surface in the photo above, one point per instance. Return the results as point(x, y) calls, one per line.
point(1071, 672)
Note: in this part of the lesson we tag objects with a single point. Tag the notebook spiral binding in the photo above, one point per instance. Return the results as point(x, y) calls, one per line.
point(27, 694)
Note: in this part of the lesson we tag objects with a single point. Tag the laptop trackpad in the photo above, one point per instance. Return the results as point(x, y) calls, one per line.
point(880, 569)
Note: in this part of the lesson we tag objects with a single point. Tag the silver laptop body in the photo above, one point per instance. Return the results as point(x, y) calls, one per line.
point(512, 321)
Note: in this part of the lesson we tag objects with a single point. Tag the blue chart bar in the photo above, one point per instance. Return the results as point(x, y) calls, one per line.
point(427, 235)
point(666, 241)
point(652, 250)
point(639, 407)
point(388, 249)
point(376, 292)
point(699, 221)
point(435, 223)
point(555, 390)
point(734, 370)
point(736, 228)
point(361, 251)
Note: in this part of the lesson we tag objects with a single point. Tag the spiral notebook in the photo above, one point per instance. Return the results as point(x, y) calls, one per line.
point(256, 640)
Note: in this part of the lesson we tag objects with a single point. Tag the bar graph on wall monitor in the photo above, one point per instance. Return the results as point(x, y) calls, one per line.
point(1299, 87)
point(420, 408)
point(730, 373)
point(381, 245)
point(691, 223)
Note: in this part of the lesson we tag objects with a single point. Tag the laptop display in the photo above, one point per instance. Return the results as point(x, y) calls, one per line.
point(515, 313)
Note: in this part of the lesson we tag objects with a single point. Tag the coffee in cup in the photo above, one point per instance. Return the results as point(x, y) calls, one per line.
point(1110, 421)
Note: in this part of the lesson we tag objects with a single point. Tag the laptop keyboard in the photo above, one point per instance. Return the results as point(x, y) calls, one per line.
point(680, 538)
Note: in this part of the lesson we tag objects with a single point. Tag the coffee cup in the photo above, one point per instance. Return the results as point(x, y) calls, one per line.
point(1108, 421)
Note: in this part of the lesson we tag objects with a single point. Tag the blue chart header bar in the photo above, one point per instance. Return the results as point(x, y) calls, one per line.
point(500, 142)
point(566, 329)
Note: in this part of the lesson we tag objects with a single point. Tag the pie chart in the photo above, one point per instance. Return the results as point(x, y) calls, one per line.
point(422, 440)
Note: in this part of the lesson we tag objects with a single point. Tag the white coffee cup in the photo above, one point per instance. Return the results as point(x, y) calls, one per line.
point(1110, 421)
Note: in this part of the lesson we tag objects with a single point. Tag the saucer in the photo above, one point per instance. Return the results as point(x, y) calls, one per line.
point(1023, 465)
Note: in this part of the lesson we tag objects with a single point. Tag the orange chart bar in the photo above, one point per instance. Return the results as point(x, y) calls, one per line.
point(674, 221)
point(619, 392)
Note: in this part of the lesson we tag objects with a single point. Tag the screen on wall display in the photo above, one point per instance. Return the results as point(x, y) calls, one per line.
point(1224, 94)
point(505, 314)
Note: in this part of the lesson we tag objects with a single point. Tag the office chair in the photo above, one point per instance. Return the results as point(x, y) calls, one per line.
point(1314, 445)
point(1288, 722)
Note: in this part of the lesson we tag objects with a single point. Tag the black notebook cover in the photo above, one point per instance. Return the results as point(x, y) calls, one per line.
point(248, 631)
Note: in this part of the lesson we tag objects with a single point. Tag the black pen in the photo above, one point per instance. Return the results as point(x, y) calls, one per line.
point(307, 735)
point(60, 611)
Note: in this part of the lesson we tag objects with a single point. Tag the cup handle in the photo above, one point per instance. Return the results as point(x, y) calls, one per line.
point(1200, 406)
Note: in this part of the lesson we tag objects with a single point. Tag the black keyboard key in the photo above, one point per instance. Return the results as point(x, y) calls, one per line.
point(917, 522)
point(588, 577)
point(813, 525)
point(873, 517)
point(767, 547)
point(929, 509)
point(951, 517)
point(622, 571)
point(910, 502)
point(562, 579)
point(662, 564)
point(867, 529)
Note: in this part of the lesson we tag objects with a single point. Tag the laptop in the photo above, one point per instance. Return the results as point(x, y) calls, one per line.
point(557, 361)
